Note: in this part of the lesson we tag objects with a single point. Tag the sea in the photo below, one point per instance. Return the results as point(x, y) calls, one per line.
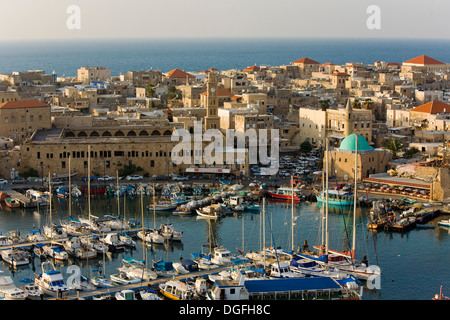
point(65, 56)
point(414, 265)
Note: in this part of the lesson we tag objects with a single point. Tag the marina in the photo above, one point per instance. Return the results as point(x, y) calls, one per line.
point(240, 230)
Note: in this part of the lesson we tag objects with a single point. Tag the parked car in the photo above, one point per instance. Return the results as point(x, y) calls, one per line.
point(19, 180)
point(155, 177)
point(180, 178)
point(106, 178)
point(135, 177)
point(3, 181)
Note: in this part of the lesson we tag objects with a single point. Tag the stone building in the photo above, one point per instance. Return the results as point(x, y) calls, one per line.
point(369, 160)
point(20, 119)
point(90, 74)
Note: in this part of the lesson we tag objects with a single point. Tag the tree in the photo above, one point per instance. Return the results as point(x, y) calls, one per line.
point(356, 104)
point(367, 104)
point(172, 93)
point(394, 145)
point(324, 105)
point(410, 153)
point(305, 147)
point(150, 90)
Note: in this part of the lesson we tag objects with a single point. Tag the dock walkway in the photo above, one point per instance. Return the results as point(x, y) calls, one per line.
point(138, 286)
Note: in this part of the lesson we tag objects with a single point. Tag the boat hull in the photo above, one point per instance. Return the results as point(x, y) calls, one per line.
point(283, 196)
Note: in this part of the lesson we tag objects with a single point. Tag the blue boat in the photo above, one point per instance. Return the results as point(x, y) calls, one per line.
point(228, 183)
point(336, 198)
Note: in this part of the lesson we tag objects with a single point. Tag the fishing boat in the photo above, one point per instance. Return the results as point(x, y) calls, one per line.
point(284, 193)
point(62, 192)
point(228, 183)
point(444, 223)
point(12, 203)
point(213, 211)
point(177, 290)
point(336, 197)
point(164, 206)
point(228, 290)
point(51, 281)
point(10, 291)
point(182, 210)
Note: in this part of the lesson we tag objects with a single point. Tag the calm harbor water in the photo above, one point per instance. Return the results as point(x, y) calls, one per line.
point(414, 265)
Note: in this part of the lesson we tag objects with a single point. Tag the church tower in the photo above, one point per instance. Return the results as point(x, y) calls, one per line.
point(212, 120)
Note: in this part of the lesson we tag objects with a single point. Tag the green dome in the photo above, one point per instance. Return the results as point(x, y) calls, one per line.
point(349, 143)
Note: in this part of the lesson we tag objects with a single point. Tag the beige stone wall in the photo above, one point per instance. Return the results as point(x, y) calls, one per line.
point(19, 123)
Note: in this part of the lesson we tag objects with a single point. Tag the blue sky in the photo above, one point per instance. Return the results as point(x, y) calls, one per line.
point(46, 19)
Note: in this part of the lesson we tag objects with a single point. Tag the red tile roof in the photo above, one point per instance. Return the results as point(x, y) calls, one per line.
point(23, 104)
point(306, 61)
point(252, 68)
point(423, 60)
point(433, 107)
point(178, 73)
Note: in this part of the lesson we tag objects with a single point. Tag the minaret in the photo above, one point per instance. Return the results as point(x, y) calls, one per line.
point(212, 120)
point(348, 121)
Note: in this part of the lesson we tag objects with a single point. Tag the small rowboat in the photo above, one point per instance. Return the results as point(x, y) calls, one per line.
point(12, 203)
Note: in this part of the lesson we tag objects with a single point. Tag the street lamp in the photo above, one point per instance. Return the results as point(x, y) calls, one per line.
point(42, 166)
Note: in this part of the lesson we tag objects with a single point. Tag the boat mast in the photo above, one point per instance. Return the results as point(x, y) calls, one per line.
point(292, 208)
point(354, 199)
point(118, 193)
point(70, 191)
point(89, 182)
point(154, 208)
point(50, 204)
point(264, 229)
point(326, 198)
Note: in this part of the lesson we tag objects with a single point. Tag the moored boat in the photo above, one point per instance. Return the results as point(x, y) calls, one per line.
point(336, 197)
point(284, 193)
point(12, 203)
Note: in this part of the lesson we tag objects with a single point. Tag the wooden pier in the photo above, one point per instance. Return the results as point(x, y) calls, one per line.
point(25, 202)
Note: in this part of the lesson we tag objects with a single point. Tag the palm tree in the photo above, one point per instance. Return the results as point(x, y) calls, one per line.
point(324, 105)
point(394, 145)
point(356, 104)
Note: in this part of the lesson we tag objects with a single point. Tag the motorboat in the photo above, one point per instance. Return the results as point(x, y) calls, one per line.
point(33, 291)
point(213, 211)
point(164, 268)
point(136, 269)
point(56, 252)
point(95, 244)
point(123, 278)
point(169, 233)
point(185, 266)
point(148, 294)
point(113, 242)
point(125, 295)
point(10, 290)
point(222, 256)
point(51, 281)
point(54, 232)
point(445, 223)
point(284, 193)
point(282, 270)
point(177, 290)
point(151, 236)
point(15, 257)
point(75, 248)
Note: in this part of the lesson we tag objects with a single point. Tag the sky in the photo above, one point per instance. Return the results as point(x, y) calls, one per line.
point(54, 19)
